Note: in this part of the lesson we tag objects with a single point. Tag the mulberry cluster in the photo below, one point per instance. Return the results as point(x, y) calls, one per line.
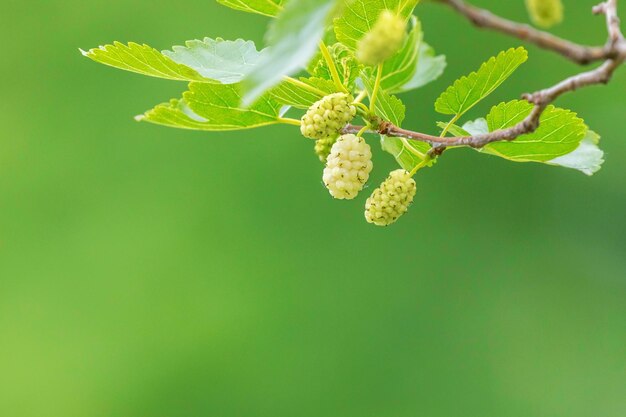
point(323, 147)
point(328, 116)
point(383, 40)
point(348, 167)
point(391, 200)
point(545, 13)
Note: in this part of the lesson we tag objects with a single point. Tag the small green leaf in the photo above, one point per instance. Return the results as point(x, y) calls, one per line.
point(560, 132)
point(269, 8)
point(293, 39)
point(429, 68)
point(217, 59)
point(347, 65)
point(214, 107)
point(142, 59)
point(407, 153)
point(360, 15)
point(477, 127)
point(301, 93)
point(587, 158)
point(388, 107)
point(467, 91)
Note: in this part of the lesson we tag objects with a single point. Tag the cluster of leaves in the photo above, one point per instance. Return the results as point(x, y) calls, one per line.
point(234, 85)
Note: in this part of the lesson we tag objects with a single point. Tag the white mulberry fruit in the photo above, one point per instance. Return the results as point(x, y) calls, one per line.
point(383, 40)
point(392, 199)
point(323, 147)
point(545, 13)
point(348, 167)
point(328, 116)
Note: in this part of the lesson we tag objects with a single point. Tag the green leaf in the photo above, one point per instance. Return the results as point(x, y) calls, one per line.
point(429, 68)
point(302, 93)
point(587, 158)
point(467, 91)
point(388, 107)
point(360, 15)
point(476, 127)
point(217, 59)
point(269, 8)
point(214, 107)
point(560, 132)
point(454, 130)
point(407, 153)
point(293, 39)
point(142, 59)
point(347, 65)
point(401, 68)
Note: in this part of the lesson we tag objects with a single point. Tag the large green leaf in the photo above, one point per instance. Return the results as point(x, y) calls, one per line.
point(401, 68)
point(302, 93)
point(217, 59)
point(144, 60)
point(360, 15)
point(265, 7)
point(560, 132)
point(214, 107)
point(467, 91)
point(587, 157)
point(293, 39)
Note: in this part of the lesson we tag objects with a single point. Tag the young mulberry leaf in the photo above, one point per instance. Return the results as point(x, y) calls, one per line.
point(292, 39)
point(348, 167)
point(269, 8)
point(347, 65)
point(384, 40)
point(392, 199)
point(469, 90)
point(328, 116)
point(144, 60)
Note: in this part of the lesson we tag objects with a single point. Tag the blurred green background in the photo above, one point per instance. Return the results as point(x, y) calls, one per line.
point(146, 271)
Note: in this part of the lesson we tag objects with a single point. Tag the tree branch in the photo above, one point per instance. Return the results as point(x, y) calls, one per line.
point(616, 50)
point(581, 54)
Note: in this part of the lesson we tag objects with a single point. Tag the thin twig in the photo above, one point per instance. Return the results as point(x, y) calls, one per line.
point(482, 18)
point(541, 99)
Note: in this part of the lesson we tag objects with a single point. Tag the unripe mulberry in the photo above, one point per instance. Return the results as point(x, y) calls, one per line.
point(545, 13)
point(392, 199)
point(323, 147)
point(328, 116)
point(383, 40)
point(348, 167)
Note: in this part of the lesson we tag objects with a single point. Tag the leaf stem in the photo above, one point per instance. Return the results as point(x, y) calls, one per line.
point(449, 125)
point(306, 86)
point(332, 67)
point(374, 96)
point(289, 121)
point(361, 96)
point(421, 165)
point(362, 131)
point(362, 107)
